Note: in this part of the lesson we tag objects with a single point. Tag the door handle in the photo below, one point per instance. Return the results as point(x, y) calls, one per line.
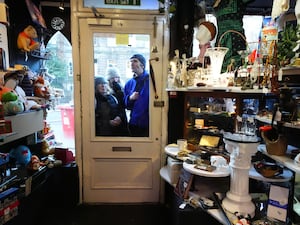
point(121, 149)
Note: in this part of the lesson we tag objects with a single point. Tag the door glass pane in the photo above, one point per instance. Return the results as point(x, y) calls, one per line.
point(116, 113)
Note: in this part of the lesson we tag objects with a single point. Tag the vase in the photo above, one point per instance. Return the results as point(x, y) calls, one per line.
point(216, 55)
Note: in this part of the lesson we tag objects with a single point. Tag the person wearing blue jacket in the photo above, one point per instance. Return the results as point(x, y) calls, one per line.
point(136, 97)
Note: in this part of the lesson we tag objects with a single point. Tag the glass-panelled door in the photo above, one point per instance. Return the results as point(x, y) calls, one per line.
point(121, 124)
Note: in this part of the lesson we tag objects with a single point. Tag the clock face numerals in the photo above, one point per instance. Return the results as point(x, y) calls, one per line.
point(57, 23)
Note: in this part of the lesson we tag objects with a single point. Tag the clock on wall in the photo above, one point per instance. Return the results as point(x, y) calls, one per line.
point(57, 23)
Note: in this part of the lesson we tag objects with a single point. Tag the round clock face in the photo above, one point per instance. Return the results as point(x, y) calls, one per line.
point(57, 23)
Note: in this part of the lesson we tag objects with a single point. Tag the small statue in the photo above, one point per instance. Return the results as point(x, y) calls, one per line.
point(231, 66)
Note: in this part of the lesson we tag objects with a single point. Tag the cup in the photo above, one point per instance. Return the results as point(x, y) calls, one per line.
point(182, 144)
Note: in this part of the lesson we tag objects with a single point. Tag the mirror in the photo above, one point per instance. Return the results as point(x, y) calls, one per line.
point(121, 82)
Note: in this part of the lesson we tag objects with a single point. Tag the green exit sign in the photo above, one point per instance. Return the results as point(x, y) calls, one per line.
point(123, 2)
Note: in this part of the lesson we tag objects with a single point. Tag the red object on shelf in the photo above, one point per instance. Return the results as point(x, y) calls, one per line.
point(67, 118)
point(265, 128)
point(64, 154)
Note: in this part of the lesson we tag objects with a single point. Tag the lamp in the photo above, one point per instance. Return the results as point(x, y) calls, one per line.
point(61, 5)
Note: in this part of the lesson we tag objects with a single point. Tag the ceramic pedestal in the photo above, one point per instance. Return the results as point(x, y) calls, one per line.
point(237, 198)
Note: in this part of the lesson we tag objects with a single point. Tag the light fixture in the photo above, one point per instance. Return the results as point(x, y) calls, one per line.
point(61, 5)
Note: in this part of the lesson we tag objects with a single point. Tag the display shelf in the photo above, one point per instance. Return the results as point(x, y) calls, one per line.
point(23, 124)
point(216, 213)
point(222, 89)
point(200, 98)
point(4, 136)
point(286, 176)
point(172, 150)
point(165, 175)
point(284, 160)
point(268, 120)
point(219, 172)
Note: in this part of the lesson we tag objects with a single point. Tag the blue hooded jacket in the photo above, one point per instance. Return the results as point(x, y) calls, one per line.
point(139, 115)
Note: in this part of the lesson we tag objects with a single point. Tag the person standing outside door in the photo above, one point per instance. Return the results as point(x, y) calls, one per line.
point(109, 119)
point(136, 97)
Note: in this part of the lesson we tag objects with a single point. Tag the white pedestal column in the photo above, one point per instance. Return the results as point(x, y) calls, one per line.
point(237, 198)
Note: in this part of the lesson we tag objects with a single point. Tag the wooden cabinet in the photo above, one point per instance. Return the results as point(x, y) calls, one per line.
point(196, 102)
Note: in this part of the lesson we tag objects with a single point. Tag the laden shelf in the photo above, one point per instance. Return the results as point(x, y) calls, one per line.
point(23, 124)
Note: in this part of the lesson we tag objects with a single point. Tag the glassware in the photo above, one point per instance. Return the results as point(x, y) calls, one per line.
point(216, 55)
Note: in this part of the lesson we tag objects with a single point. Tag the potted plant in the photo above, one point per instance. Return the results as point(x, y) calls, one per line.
point(287, 42)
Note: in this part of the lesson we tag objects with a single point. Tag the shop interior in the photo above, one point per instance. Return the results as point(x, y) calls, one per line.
point(231, 153)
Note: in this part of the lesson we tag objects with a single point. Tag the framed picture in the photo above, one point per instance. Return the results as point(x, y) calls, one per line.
point(184, 184)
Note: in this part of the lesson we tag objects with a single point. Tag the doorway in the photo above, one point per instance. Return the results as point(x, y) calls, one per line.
point(121, 169)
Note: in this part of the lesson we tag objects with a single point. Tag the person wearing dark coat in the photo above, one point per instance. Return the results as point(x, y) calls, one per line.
point(109, 120)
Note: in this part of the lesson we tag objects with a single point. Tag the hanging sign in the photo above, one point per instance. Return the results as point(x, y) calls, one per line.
point(123, 2)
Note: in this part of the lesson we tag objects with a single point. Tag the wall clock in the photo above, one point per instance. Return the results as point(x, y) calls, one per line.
point(57, 23)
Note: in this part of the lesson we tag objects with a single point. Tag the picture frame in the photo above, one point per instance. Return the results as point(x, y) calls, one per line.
point(184, 184)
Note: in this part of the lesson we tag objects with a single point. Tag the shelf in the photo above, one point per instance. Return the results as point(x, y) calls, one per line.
point(284, 160)
point(221, 89)
point(216, 213)
point(4, 136)
point(267, 120)
point(165, 175)
point(172, 150)
point(286, 176)
point(23, 124)
point(219, 172)
point(37, 54)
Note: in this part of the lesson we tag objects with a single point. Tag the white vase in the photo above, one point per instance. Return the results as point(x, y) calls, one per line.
point(216, 55)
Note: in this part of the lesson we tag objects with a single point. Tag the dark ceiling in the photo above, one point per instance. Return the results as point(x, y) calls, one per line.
point(256, 7)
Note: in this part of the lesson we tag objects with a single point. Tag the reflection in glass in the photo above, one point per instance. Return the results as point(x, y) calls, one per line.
point(121, 84)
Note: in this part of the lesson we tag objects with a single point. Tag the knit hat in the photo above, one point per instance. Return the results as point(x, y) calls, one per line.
point(100, 80)
point(112, 72)
point(140, 58)
point(211, 27)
